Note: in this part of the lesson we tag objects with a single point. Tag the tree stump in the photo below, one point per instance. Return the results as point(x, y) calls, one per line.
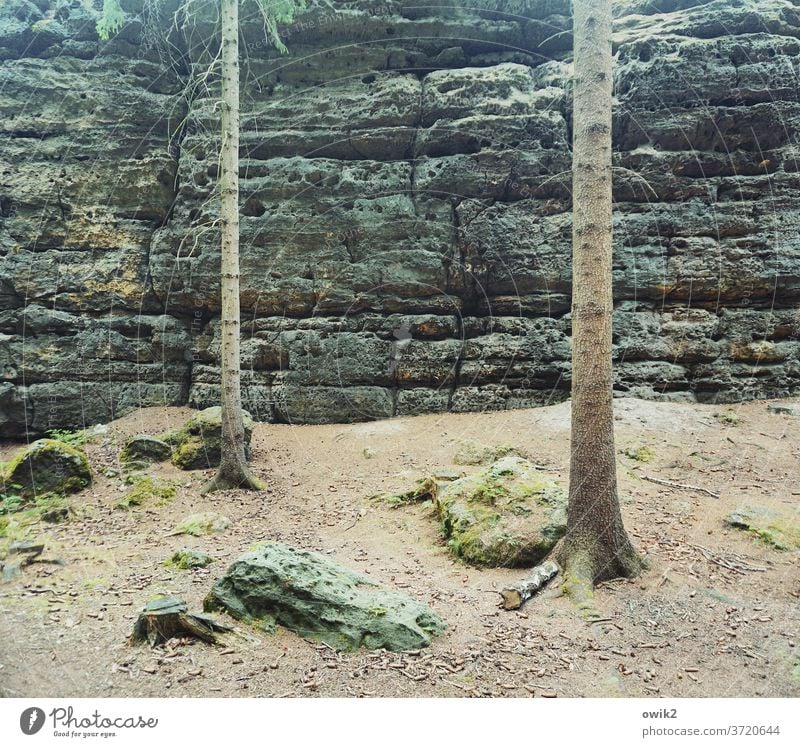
point(169, 617)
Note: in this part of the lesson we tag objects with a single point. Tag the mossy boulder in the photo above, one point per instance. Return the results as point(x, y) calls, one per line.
point(186, 558)
point(148, 490)
point(198, 444)
point(779, 529)
point(509, 514)
point(48, 466)
point(316, 598)
point(204, 523)
point(142, 450)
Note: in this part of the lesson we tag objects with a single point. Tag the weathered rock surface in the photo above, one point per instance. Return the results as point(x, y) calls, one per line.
point(198, 444)
point(781, 529)
point(316, 598)
point(509, 514)
point(186, 558)
point(48, 466)
point(405, 211)
point(142, 449)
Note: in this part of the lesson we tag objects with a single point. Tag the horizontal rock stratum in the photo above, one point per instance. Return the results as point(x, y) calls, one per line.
point(405, 211)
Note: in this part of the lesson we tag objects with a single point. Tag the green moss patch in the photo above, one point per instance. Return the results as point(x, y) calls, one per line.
point(640, 453)
point(148, 490)
point(77, 438)
point(780, 530)
point(19, 515)
point(508, 514)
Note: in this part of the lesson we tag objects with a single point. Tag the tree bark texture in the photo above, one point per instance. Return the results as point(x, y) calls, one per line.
point(233, 469)
point(596, 546)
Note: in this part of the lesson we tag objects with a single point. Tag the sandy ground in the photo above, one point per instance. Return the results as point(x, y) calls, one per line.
point(689, 627)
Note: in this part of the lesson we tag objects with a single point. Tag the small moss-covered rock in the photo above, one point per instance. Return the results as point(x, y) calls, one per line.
point(148, 490)
point(508, 514)
point(316, 598)
point(201, 524)
point(471, 453)
point(186, 558)
point(48, 466)
point(141, 450)
point(776, 528)
point(729, 417)
point(198, 444)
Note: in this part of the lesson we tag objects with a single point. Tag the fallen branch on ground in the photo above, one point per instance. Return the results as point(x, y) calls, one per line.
point(680, 485)
point(515, 596)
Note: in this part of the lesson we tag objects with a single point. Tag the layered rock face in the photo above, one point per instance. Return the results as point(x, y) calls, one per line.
point(405, 210)
point(87, 170)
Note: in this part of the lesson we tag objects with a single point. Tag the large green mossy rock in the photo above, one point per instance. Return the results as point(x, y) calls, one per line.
point(316, 598)
point(779, 529)
point(198, 444)
point(48, 466)
point(508, 514)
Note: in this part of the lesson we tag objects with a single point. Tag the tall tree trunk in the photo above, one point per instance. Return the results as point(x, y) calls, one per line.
point(596, 546)
point(233, 470)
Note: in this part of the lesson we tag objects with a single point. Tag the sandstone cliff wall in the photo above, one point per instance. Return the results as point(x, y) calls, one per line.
point(406, 210)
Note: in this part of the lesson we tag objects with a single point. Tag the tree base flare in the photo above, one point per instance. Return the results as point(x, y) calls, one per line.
point(582, 572)
point(240, 479)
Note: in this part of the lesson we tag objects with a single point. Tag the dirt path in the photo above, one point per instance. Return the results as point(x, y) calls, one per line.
point(688, 627)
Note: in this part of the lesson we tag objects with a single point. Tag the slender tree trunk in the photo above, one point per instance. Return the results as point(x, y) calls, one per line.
point(596, 546)
point(233, 470)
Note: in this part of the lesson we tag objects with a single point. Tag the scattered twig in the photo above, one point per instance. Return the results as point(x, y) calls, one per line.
point(732, 563)
point(680, 485)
